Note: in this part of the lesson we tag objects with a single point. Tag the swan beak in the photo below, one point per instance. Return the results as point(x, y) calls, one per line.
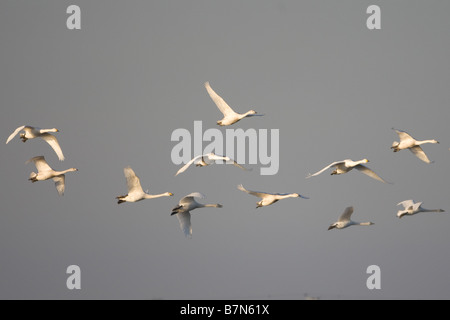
point(331, 227)
point(170, 194)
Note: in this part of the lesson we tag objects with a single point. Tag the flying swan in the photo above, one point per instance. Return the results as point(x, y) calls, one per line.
point(34, 132)
point(187, 204)
point(45, 172)
point(207, 159)
point(270, 198)
point(229, 115)
point(345, 221)
point(347, 165)
point(408, 142)
point(411, 208)
point(135, 191)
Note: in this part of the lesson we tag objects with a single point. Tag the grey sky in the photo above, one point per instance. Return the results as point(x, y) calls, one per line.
point(118, 88)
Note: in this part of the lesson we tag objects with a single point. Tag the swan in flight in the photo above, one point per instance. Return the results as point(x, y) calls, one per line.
point(345, 221)
point(408, 142)
point(269, 198)
point(185, 206)
point(45, 172)
point(411, 208)
point(207, 159)
point(135, 191)
point(229, 115)
point(347, 165)
point(34, 132)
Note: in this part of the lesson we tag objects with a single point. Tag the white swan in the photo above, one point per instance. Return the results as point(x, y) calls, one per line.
point(45, 172)
point(187, 204)
point(345, 221)
point(207, 159)
point(347, 165)
point(408, 142)
point(229, 115)
point(411, 208)
point(34, 132)
point(135, 191)
point(269, 198)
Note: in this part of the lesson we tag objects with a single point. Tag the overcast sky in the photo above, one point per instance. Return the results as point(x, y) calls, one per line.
point(134, 73)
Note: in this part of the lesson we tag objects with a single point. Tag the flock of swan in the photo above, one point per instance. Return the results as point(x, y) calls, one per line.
point(189, 202)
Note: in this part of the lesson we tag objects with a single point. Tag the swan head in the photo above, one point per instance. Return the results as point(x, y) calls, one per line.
point(252, 112)
point(169, 194)
point(55, 130)
point(434, 141)
point(395, 144)
point(73, 169)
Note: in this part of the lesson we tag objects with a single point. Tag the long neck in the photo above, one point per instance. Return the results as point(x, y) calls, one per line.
point(425, 141)
point(210, 206)
point(65, 171)
point(280, 197)
point(363, 223)
point(48, 130)
point(153, 196)
point(432, 210)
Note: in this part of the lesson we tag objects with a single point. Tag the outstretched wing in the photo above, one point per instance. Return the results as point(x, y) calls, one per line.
point(187, 165)
point(40, 163)
point(345, 216)
point(253, 193)
point(192, 196)
point(133, 181)
point(369, 172)
point(220, 103)
point(324, 169)
point(15, 134)
point(419, 153)
point(60, 184)
point(406, 204)
point(402, 134)
point(185, 223)
point(53, 142)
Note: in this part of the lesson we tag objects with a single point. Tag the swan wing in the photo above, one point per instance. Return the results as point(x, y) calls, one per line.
point(192, 196)
point(53, 142)
point(324, 169)
point(185, 223)
point(234, 163)
point(406, 204)
point(403, 135)
point(419, 153)
point(14, 134)
point(345, 216)
point(60, 184)
point(369, 172)
point(187, 165)
point(133, 181)
point(220, 103)
point(253, 193)
point(40, 164)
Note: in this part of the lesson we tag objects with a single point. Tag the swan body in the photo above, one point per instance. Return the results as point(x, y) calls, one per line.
point(29, 132)
point(207, 159)
point(408, 142)
point(135, 191)
point(185, 206)
point(412, 208)
point(270, 198)
point(45, 172)
point(229, 115)
point(345, 221)
point(344, 166)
